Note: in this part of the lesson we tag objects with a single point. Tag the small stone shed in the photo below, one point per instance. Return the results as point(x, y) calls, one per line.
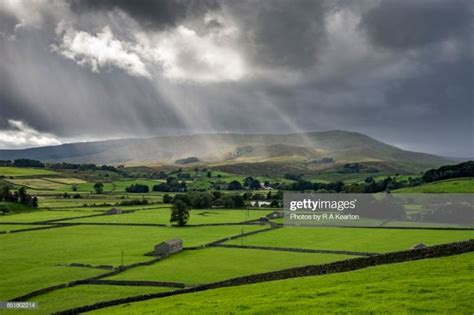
point(114, 211)
point(275, 214)
point(419, 246)
point(169, 247)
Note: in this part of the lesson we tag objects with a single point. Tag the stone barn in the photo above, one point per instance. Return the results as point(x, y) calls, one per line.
point(168, 247)
point(419, 246)
point(114, 211)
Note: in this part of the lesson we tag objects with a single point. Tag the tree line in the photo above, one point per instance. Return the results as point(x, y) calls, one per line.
point(465, 169)
point(62, 166)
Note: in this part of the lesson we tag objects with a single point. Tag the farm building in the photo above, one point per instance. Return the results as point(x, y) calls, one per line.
point(419, 246)
point(275, 214)
point(169, 247)
point(260, 203)
point(114, 211)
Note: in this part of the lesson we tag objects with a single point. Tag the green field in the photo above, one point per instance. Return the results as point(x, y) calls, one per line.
point(67, 180)
point(89, 187)
point(24, 171)
point(26, 270)
point(352, 239)
point(13, 227)
point(440, 286)
point(162, 216)
point(37, 183)
point(40, 216)
point(14, 207)
point(214, 264)
point(459, 185)
point(87, 294)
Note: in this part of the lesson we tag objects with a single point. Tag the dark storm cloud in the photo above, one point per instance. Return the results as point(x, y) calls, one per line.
point(7, 23)
point(404, 24)
point(295, 65)
point(281, 33)
point(54, 95)
point(150, 14)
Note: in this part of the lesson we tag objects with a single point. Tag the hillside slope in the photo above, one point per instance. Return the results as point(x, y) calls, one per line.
point(340, 146)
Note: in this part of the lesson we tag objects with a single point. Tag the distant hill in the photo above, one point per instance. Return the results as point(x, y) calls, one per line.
point(291, 150)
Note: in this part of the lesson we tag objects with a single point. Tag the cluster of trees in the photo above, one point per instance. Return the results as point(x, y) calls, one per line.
point(249, 183)
point(172, 185)
point(252, 183)
point(19, 196)
point(302, 185)
point(137, 188)
point(22, 163)
point(203, 200)
point(465, 169)
point(368, 186)
point(292, 176)
point(88, 167)
point(357, 168)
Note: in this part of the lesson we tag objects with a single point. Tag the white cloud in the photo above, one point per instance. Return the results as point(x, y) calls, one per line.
point(99, 51)
point(20, 135)
point(186, 56)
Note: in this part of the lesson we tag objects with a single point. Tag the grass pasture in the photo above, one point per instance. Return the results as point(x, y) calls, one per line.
point(458, 185)
point(214, 264)
point(439, 286)
point(27, 270)
point(88, 294)
point(66, 180)
point(13, 227)
point(352, 239)
point(37, 183)
point(24, 171)
point(13, 207)
point(40, 216)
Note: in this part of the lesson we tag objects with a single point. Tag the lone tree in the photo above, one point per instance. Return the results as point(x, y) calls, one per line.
point(99, 188)
point(234, 185)
point(179, 213)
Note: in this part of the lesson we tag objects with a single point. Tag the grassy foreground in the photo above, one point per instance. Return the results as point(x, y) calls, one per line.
point(442, 285)
point(352, 239)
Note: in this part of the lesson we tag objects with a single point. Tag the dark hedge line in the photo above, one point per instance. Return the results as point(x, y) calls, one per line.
point(299, 250)
point(139, 283)
point(71, 218)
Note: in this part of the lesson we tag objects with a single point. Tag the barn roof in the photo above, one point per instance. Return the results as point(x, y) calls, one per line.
point(173, 241)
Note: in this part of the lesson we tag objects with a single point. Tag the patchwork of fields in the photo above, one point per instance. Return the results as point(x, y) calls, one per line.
point(69, 253)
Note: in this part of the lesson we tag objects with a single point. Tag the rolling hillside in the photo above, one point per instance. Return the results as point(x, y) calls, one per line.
point(305, 150)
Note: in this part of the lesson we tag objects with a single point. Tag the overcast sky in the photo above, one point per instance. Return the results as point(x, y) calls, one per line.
point(401, 71)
